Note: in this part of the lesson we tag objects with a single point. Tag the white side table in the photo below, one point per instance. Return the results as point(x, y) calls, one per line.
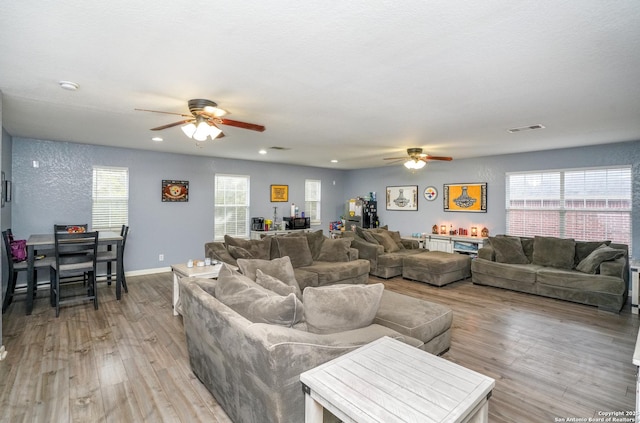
point(388, 381)
point(182, 271)
point(634, 267)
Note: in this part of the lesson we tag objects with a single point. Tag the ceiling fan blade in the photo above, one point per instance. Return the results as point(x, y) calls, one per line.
point(158, 111)
point(171, 125)
point(396, 158)
point(448, 159)
point(244, 125)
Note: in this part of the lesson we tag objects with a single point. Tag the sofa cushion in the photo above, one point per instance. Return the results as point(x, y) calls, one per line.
point(337, 308)
point(554, 252)
point(386, 241)
point(508, 249)
point(580, 282)
point(296, 247)
point(218, 251)
point(591, 263)
point(315, 240)
point(527, 247)
point(335, 250)
point(330, 272)
point(239, 252)
point(584, 248)
point(274, 284)
point(279, 268)
point(368, 236)
point(256, 303)
point(259, 249)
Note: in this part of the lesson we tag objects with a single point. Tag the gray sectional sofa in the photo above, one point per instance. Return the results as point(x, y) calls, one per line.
point(384, 249)
point(317, 260)
point(593, 273)
point(252, 367)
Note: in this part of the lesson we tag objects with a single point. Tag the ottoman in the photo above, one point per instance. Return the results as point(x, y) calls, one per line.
point(437, 267)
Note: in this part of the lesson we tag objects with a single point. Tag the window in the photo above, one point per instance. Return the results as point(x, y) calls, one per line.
point(312, 191)
point(231, 206)
point(584, 204)
point(110, 195)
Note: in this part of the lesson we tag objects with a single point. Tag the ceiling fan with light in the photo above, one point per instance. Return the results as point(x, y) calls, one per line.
point(416, 159)
point(203, 120)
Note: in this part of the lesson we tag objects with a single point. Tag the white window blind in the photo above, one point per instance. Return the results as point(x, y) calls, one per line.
point(585, 204)
point(231, 206)
point(312, 197)
point(110, 198)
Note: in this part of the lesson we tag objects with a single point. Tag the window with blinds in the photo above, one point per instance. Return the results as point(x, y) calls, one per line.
point(585, 204)
point(110, 196)
point(312, 197)
point(231, 206)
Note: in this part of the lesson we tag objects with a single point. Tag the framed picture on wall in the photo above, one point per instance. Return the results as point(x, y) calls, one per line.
point(279, 193)
point(465, 197)
point(403, 198)
point(175, 191)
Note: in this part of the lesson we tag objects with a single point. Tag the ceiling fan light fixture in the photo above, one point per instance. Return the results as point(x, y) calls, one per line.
point(189, 129)
point(214, 131)
point(414, 164)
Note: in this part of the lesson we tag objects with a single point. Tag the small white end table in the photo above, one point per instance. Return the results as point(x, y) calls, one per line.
point(388, 381)
point(182, 271)
point(634, 267)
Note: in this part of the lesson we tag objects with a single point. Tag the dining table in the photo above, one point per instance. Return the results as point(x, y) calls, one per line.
point(39, 242)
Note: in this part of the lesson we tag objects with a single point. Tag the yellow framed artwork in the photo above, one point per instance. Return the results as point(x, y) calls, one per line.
point(279, 193)
point(470, 197)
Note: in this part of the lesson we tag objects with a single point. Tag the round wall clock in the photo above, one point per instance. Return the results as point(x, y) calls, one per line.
point(430, 193)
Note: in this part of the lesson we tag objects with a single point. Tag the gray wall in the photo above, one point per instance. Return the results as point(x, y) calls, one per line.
point(491, 170)
point(59, 191)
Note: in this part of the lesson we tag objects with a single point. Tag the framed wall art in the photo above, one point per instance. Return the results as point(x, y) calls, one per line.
point(175, 191)
point(402, 198)
point(470, 197)
point(279, 193)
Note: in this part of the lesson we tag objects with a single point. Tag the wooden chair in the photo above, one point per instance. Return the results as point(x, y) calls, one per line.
point(110, 257)
point(15, 267)
point(75, 260)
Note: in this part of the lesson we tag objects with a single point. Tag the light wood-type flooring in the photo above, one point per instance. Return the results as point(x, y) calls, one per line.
point(127, 361)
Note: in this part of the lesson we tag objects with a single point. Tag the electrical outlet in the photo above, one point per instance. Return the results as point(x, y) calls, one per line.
point(161, 257)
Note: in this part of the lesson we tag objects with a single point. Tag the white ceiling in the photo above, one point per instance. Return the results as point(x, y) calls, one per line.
point(355, 81)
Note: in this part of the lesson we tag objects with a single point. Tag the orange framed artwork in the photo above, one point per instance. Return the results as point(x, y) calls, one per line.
point(471, 197)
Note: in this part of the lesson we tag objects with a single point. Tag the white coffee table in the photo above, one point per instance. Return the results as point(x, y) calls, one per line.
point(182, 271)
point(389, 381)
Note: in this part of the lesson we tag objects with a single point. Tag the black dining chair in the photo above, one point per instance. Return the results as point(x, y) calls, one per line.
point(110, 257)
point(74, 268)
point(15, 267)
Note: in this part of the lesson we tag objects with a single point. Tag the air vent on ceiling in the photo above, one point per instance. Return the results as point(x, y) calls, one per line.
point(279, 148)
point(525, 128)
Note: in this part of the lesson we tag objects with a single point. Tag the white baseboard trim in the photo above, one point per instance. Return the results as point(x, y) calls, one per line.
point(148, 271)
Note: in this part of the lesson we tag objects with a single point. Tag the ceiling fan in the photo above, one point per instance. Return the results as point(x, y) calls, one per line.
point(416, 159)
point(203, 120)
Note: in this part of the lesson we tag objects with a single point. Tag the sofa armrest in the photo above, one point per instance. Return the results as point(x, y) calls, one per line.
point(367, 250)
point(615, 268)
point(487, 253)
point(411, 244)
point(353, 254)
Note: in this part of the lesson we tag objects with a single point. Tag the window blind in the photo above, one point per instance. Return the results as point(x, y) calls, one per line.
point(312, 199)
point(110, 196)
point(231, 215)
point(585, 204)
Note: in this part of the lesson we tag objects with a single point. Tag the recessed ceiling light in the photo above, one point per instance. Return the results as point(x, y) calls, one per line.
point(156, 139)
point(334, 161)
point(262, 151)
point(68, 85)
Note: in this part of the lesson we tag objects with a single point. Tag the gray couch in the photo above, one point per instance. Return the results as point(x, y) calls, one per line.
point(593, 273)
point(253, 369)
point(317, 260)
point(384, 249)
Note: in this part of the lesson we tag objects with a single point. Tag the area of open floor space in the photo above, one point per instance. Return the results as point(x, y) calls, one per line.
point(128, 360)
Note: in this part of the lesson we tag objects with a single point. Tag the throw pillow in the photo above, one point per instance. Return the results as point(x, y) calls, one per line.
point(218, 251)
point(335, 250)
point(297, 248)
point(527, 247)
point(256, 303)
point(385, 240)
point(239, 252)
point(395, 236)
point(554, 252)
point(260, 249)
point(584, 248)
point(279, 268)
point(508, 249)
point(315, 240)
point(591, 263)
point(337, 308)
point(275, 284)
